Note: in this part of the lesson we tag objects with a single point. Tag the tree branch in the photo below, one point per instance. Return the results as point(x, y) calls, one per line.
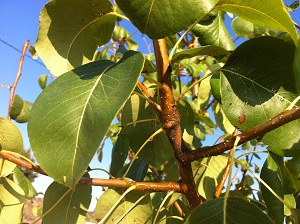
point(279, 120)
point(19, 73)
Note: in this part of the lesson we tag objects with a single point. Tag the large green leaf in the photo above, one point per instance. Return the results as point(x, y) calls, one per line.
point(297, 66)
point(12, 201)
point(67, 206)
point(212, 31)
point(257, 83)
point(273, 174)
point(238, 210)
point(10, 136)
point(155, 152)
point(138, 213)
point(70, 31)
point(72, 115)
point(269, 14)
point(159, 19)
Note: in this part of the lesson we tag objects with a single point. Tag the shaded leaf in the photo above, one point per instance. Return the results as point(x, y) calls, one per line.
point(12, 201)
point(24, 183)
point(62, 46)
point(69, 206)
point(10, 137)
point(137, 171)
point(272, 173)
point(257, 83)
point(270, 14)
point(73, 114)
point(17, 107)
point(25, 113)
point(213, 31)
point(160, 19)
point(119, 154)
point(141, 213)
point(238, 210)
point(296, 66)
point(202, 50)
point(246, 29)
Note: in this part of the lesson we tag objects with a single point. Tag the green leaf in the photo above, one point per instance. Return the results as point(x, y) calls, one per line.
point(270, 14)
point(272, 173)
point(24, 183)
point(25, 113)
point(69, 206)
point(119, 154)
point(210, 175)
point(213, 31)
point(137, 171)
point(10, 137)
point(43, 81)
point(246, 29)
point(73, 114)
point(222, 120)
point(140, 213)
point(6, 167)
point(202, 50)
point(160, 19)
point(257, 83)
point(238, 210)
point(296, 66)
point(69, 32)
point(137, 109)
point(290, 200)
point(17, 107)
point(12, 201)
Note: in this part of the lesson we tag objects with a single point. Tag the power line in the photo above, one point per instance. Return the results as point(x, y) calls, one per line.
point(16, 49)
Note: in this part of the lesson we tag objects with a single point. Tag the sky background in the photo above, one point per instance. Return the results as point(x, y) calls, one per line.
point(18, 23)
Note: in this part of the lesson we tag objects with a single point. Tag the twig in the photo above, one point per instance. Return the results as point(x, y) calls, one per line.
point(19, 73)
point(279, 120)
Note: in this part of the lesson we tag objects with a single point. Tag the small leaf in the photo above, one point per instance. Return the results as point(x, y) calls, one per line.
point(119, 154)
point(70, 206)
point(290, 200)
point(213, 31)
point(140, 213)
point(25, 113)
point(12, 201)
point(271, 14)
point(10, 137)
point(69, 38)
point(6, 167)
point(24, 183)
point(272, 173)
point(43, 81)
point(238, 210)
point(296, 66)
point(17, 107)
point(246, 29)
point(160, 19)
point(73, 114)
point(202, 50)
point(137, 171)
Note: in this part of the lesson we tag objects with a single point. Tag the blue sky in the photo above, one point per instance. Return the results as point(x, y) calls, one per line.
point(19, 22)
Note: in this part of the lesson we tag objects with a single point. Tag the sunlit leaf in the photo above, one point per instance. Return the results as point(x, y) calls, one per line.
point(70, 31)
point(72, 115)
point(24, 183)
point(246, 29)
point(43, 81)
point(12, 201)
point(6, 167)
point(10, 136)
point(67, 206)
point(141, 213)
point(238, 210)
point(159, 19)
point(270, 14)
point(257, 83)
point(212, 31)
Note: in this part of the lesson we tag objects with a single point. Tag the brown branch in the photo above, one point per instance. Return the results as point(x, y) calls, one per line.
point(279, 120)
point(19, 73)
point(221, 184)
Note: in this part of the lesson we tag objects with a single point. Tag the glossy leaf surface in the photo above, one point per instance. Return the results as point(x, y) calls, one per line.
point(72, 115)
point(238, 210)
point(160, 19)
point(270, 14)
point(257, 83)
point(70, 32)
